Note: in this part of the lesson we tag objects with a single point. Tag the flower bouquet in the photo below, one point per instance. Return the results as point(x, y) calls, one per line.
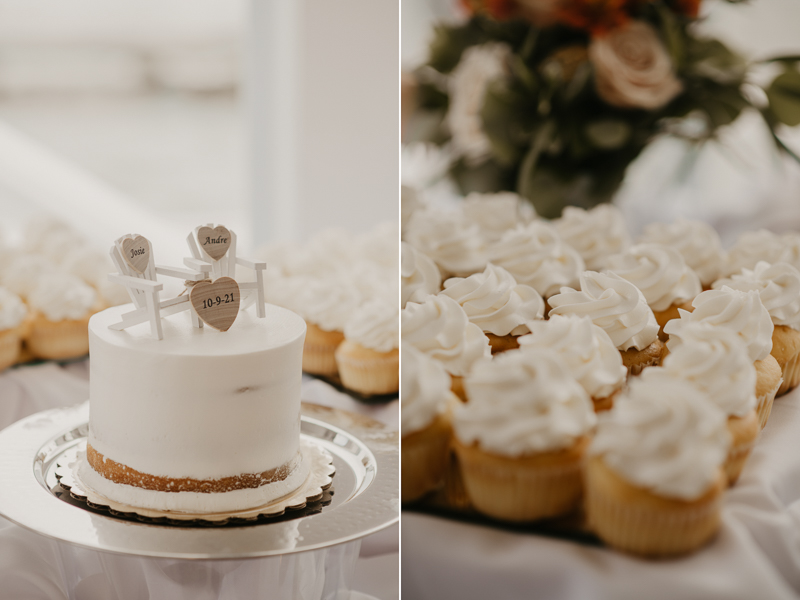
point(554, 99)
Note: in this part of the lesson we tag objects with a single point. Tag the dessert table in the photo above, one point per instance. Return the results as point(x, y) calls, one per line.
point(755, 555)
point(38, 568)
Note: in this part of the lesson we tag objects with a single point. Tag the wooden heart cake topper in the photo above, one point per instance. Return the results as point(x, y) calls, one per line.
point(217, 302)
point(214, 242)
point(136, 252)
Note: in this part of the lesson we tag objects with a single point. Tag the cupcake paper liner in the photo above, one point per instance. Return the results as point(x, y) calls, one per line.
point(502, 343)
point(58, 340)
point(425, 459)
point(744, 433)
point(791, 375)
point(522, 489)
point(637, 360)
point(10, 346)
point(642, 523)
point(764, 405)
point(370, 372)
point(319, 350)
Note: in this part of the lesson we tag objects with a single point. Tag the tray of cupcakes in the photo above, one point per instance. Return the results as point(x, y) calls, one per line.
point(346, 288)
point(559, 379)
point(51, 283)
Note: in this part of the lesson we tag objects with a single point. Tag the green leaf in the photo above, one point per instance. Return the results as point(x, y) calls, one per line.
point(449, 44)
point(527, 170)
point(608, 134)
point(431, 97)
point(508, 121)
point(791, 59)
point(484, 178)
point(546, 191)
point(784, 98)
point(722, 104)
point(671, 31)
point(711, 59)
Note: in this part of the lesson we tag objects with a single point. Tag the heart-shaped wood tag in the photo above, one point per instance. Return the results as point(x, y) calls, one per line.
point(214, 242)
point(136, 252)
point(217, 302)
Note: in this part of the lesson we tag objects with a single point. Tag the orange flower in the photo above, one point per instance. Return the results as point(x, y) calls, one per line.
point(688, 7)
point(596, 16)
point(497, 9)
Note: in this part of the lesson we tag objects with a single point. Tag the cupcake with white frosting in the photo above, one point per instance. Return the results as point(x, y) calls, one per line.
point(715, 360)
point(61, 306)
point(537, 256)
point(662, 276)
point(494, 214)
point(420, 276)
point(368, 359)
point(697, 242)
point(39, 231)
point(587, 351)
point(619, 308)
point(25, 272)
point(654, 479)
point(596, 233)
point(425, 423)
point(440, 328)
point(521, 437)
point(754, 246)
point(745, 314)
point(13, 327)
point(93, 268)
point(449, 239)
point(325, 305)
point(778, 286)
point(496, 303)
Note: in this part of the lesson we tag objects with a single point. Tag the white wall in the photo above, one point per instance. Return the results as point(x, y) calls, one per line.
point(324, 103)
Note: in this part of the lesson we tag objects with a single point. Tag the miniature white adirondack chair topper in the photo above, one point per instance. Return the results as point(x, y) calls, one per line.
point(214, 297)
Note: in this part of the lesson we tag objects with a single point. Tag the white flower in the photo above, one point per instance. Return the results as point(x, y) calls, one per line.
point(632, 68)
point(479, 66)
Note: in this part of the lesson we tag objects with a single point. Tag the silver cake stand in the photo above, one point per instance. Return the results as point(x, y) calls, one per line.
point(365, 500)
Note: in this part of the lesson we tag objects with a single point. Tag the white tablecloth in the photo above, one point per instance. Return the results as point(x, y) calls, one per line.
point(755, 555)
point(36, 568)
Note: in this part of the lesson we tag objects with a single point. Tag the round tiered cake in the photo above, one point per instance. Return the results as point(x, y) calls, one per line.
point(200, 421)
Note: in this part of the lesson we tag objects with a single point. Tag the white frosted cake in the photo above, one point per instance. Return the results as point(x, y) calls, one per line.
point(200, 421)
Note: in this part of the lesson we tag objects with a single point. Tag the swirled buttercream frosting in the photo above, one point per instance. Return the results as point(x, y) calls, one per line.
point(739, 311)
point(697, 242)
point(61, 296)
point(664, 435)
point(424, 391)
point(495, 302)
point(328, 302)
point(374, 325)
point(659, 272)
point(715, 360)
point(12, 309)
point(523, 403)
point(440, 328)
point(587, 351)
point(449, 239)
point(612, 303)
point(23, 274)
point(420, 275)
point(596, 233)
point(536, 256)
point(494, 214)
point(328, 251)
point(755, 246)
point(777, 285)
